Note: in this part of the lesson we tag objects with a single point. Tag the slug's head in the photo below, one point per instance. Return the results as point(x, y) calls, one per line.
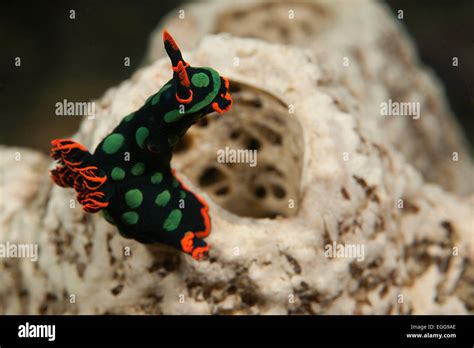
point(200, 90)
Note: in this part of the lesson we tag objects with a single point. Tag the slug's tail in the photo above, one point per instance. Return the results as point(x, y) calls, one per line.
point(76, 169)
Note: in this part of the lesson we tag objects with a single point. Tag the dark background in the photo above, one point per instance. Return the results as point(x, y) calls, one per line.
point(80, 59)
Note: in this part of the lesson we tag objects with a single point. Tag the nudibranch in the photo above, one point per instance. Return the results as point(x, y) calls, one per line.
point(142, 196)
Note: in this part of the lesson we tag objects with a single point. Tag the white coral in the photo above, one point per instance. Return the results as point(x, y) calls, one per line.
point(415, 255)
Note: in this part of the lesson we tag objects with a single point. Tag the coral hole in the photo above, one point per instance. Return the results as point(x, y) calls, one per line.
point(215, 155)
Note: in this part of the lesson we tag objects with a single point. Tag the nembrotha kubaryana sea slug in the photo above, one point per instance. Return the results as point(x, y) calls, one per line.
point(142, 196)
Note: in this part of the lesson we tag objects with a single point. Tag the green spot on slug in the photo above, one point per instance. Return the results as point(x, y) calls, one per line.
point(156, 178)
point(216, 80)
point(176, 115)
point(130, 217)
point(182, 194)
point(175, 183)
point(138, 169)
point(173, 116)
point(117, 174)
point(108, 217)
point(200, 80)
point(163, 198)
point(134, 198)
point(173, 220)
point(113, 143)
point(140, 136)
point(129, 117)
point(156, 98)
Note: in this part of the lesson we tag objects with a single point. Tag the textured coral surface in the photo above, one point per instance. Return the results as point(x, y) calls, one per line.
point(380, 64)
